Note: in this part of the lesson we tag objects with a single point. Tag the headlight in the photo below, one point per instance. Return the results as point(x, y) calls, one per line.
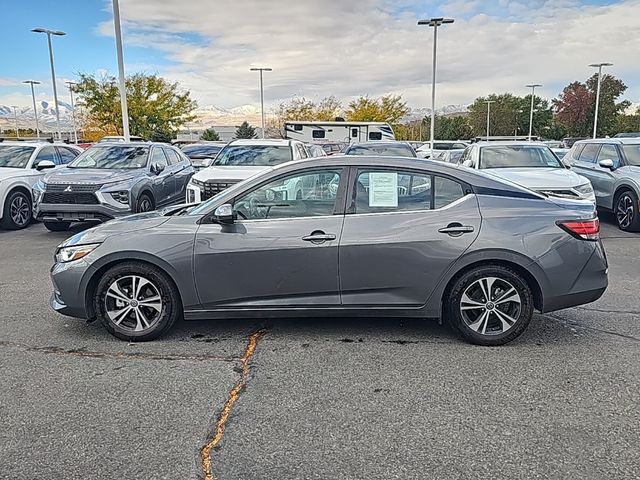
point(69, 254)
point(585, 189)
point(122, 196)
point(197, 183)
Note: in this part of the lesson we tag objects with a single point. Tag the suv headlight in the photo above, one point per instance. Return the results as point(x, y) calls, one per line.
point(196, 183)
point(584, 189)
point(76, 252)
point(122, 196)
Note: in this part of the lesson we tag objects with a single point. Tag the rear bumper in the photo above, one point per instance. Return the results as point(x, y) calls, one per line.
point(78, 213)
point(572, 299)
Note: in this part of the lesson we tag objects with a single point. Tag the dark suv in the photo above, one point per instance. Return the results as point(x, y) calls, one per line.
point(111, 180)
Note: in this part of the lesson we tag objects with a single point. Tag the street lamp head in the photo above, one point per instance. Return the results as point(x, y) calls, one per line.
point(603, 64)
point(45, 30)
point(32, 82)
point(435, 22)
point(264, 69)
point(534, 85)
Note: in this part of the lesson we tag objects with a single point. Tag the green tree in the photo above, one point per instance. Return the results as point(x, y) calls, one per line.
point(390, 109)
point(609, 109)
point(210, 135)
point(245, 131)
point(164, 136)
point(629, 122)
point(157, 107)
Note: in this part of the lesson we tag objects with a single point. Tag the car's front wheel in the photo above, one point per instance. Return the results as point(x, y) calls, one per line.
point(17, 211)
point(490, 305)
point(136, 301)
point(626, 211)
point(144, 204)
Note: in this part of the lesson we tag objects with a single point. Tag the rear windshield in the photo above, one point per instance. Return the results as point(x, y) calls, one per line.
point(518, 156)
point(14, 156)
point(632, 153)
point(201, 151)
point(382, 150)
point(253, 155)
point(112, 157)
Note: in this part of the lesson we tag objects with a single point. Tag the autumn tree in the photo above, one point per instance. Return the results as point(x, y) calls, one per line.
point(245, 131)
point(389, 108)
point(573, 107)
point(157, 107)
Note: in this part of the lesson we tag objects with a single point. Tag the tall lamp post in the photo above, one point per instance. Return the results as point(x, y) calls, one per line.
point(53, 72)
point(261, 69)
point(123, 88)
point(435, 23)
point(15, 116)
point(595, 117)
point(33, 97)
point(532, 86)
point(73, 111)
point(488, 102)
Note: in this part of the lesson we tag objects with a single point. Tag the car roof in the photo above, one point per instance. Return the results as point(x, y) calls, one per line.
point(261, 141)
point(383, 143)
point(508, 143)
point(35, 143)
point(619, 140)
point(131, 144)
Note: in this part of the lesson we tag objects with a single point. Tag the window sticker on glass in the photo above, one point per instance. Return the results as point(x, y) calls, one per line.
point(383, 189)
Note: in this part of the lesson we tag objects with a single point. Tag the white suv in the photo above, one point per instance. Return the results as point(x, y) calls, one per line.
point(239, 160)
point(22, 164)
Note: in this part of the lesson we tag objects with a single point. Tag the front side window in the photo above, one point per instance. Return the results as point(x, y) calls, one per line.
point(589, 153)
point(253, 155)
point(46, 153)
point(14, 156)
point(66, 155)
point(308, 194)
point(609, 152)
point(112, 157)
point(518, 156)
point(158, 158)
point(577, 150)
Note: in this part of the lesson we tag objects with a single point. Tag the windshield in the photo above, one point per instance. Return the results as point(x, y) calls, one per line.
point(382, 150)
point(518, 156)
point(14, 156)
point(632, 153)
point(201, 151)
point(253, 155)
point(112, 157)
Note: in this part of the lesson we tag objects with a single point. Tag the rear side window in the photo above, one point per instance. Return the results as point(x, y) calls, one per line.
point(317, 134)
point(589, 153)
point(446, 191)
point(172, 156)
point(577, 151)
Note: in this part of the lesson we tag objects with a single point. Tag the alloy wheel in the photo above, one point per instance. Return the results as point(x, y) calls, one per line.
point(19, 211)
point(133, 303)
point(490, 306)
point(145, 205)
point(625, 211)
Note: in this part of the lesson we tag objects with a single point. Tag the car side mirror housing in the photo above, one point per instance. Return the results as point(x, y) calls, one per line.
point(157, 168)
point(224, 214)
point(607, 163)
point(45, 164)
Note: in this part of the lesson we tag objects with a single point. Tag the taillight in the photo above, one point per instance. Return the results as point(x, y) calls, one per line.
point(582, 229)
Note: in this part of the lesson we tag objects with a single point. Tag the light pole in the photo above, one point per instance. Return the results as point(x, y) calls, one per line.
point(532, 86)
point(261, 69)
point(35, 109)
point(53, 72)
point(435, 23)
point(15, 115)
point(488, 102)
point(595, 117)
point(73, 111)
point(123, 88)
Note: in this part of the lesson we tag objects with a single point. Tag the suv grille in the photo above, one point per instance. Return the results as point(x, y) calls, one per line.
point(70, 198)
point(61, 187)
point(211, 189)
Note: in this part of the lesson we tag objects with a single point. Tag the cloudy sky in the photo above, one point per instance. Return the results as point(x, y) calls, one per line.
point(326, 47)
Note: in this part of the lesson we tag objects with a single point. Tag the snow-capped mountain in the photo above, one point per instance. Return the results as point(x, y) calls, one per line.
point(419, 113)
point(46, 115)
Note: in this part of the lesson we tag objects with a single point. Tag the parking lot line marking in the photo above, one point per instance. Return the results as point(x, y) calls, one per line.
point(205, 452)
point(79, 352)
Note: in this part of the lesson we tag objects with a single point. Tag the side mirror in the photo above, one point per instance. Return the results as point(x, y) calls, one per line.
point(224, 214)
point(467, 163)
point(157, 168)
point(607, 163)
point(44, 165)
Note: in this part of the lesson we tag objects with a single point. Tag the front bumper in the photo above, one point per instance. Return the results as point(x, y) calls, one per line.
point(69, 282)
point(78, 213)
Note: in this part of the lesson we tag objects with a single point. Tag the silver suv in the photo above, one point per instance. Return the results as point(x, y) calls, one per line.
point(613, 167)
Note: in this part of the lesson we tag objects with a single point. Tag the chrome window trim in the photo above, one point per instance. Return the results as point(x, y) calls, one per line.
point(426, 210)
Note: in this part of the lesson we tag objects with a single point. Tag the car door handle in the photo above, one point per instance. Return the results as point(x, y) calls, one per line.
point(319, 237)
point(456, 229)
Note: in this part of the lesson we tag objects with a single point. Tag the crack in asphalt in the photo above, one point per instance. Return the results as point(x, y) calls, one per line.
point(82, 352)
point(580, 325)
point(223, 418)
point(602, 310)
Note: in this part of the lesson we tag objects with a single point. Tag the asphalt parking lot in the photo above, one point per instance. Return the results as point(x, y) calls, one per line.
point(318, 398)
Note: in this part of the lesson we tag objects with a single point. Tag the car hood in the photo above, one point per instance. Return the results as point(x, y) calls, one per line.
point(128, 224)
point(234, 174)
point(91, 176)
point(11, 172)
point(537, 178)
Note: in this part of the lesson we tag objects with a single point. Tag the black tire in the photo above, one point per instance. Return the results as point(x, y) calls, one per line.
point(17, 212)
point(491, 331)
point(625, 209)
point(159, 322)
point(145, 204)
point(57, 226)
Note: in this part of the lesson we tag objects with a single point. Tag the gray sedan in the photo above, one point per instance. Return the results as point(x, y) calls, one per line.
point(367, 237)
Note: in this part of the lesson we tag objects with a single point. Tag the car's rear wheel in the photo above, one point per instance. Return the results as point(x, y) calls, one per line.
point(17, 211)
point(626, 211)
point(136, 301)
point(57, 226)
point(490, 305)
point(144, 204)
